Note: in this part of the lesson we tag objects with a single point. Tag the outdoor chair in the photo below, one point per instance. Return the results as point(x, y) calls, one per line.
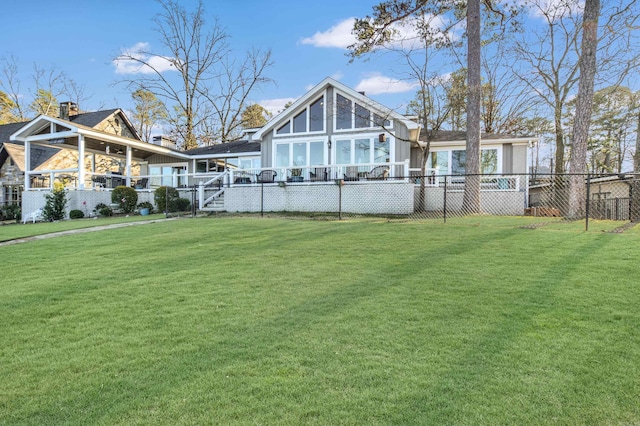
point(351, 174)
point(33, 216)
point(99, 181)
point(266, 176)
point(379, 173)
point(319, 174)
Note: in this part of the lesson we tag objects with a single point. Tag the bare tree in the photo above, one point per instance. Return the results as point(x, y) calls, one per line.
point(232, 89)
point(10, 83)
point(197, 52)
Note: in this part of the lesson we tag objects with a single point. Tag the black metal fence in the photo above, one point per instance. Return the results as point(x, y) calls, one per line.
point(599, 197)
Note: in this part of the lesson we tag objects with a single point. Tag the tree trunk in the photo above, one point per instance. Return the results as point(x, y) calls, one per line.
point(471, 198)
point(634, 210)
point(578, 162)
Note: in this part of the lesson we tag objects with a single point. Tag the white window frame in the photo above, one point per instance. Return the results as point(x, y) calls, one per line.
point(307, 108)
point(372, 138)
point(449, 150)
point(372, 126)
point(307, 141)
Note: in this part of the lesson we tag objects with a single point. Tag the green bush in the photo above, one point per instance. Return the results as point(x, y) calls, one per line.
point(183, 204)
point(146, 205)
point(126, 197)
point(11, 212)
point(56, 203)
point(166, 196)
point(76, 214)
point(103, 210)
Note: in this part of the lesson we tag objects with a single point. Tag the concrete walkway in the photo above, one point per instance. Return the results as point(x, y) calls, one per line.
point(79, 231)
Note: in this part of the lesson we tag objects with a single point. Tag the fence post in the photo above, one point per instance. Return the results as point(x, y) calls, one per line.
point(262, 199)
point(193, 201)
point(445, 199)
point(586, 222)
point(339, 199)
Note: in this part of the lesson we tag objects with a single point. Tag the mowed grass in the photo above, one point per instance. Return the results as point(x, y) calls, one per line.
point(270, 321)
point(14, 231)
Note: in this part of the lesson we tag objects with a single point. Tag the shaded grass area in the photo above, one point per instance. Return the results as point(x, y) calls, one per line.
point(270, 321)
point(14, 231)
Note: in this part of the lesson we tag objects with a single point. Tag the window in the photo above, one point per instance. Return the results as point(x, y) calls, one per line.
point(362, 117)
point(168, 176)
point(300, 122)
point(300, 154)
point(282, 154)
point(489, 161)
point(362, 151)
point(284, 129)
point(316, 116)
point(458, 162)
point(378, 121)
point(343, 112)
point(343, 152)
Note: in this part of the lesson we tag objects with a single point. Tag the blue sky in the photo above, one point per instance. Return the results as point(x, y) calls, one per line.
point(307, 39)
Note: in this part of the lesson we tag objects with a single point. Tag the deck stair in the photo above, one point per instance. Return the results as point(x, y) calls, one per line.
point(211, 194)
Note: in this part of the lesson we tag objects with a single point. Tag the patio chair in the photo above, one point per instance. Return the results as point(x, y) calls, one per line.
point(319, 174)
point(351, 174)
point(266, 176)
point(379, 173)
point(33, 216)
point(99, 181)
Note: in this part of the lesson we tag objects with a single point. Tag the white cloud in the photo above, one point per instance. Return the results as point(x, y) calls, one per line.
point(129, 61)
point(274, 106)
point(541, 8)
point(377, 84)
point(337, 36)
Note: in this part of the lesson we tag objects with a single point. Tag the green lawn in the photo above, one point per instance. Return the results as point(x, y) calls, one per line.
point(271, 321)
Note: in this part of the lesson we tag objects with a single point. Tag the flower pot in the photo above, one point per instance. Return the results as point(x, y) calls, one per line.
point(144, 212)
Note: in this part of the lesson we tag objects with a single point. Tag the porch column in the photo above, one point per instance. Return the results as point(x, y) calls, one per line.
point(128, 166)
point(81, 171)
point(27, 165)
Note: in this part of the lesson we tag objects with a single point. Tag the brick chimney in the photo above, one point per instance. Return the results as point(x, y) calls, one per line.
point(68, 109)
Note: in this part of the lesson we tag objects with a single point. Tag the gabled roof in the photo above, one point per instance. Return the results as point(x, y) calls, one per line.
point(357, 96)
point(32, 132)
point(6, 130)
point(224, 149)
point(39, 154)
point(92, 119)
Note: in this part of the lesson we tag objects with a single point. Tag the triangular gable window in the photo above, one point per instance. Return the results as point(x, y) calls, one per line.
point(352, 115)
point(310, 119)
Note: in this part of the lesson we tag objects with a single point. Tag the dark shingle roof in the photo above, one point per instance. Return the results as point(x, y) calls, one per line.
point(6, 130)
point(450, 135)
point(236, 147)
point(91, 119)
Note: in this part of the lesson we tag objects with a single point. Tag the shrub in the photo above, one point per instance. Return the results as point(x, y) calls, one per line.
point(126, 197)
point(146, 205)
point(103, 210)
point(56, 203)
point(166, 196)
point(11, 212)
point(76, 214)
point(183, 204)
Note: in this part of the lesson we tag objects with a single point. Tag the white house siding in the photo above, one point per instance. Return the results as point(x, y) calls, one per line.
point(369, 198)
point(33, 200)
point(505, 203)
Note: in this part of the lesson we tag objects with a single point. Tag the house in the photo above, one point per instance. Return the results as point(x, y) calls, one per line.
point(332, 134)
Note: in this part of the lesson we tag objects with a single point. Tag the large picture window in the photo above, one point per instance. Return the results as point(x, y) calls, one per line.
point(302, 154)
point(362, 151)
point(457, 158)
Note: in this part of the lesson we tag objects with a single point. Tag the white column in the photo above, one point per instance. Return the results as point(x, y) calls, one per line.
point(27, 165)
point(128, 166)
point(81, 171)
